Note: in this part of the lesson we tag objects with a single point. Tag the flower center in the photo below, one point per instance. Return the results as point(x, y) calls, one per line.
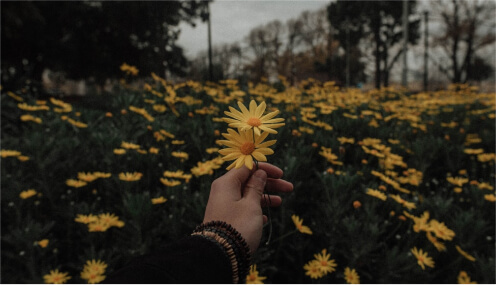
point(247, 148)
point(254, 122)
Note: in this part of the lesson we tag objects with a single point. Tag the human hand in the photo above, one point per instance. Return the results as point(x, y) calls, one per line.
point(237, 198)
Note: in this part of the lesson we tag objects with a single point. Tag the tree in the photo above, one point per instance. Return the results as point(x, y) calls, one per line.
point(468, 27)
point(83, 38)
point(376, 22)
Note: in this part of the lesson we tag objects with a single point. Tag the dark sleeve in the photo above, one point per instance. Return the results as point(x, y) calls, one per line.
point(193, 259)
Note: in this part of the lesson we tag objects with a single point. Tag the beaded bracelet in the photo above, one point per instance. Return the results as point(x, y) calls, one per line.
point(234, 245)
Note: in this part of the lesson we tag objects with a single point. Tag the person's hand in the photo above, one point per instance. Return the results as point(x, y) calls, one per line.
point(237, 198)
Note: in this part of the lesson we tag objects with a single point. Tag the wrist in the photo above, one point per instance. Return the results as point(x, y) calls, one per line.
point(234, 245)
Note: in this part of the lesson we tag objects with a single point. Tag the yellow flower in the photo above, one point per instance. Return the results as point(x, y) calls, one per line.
point(313, 270)
point(102, 174)
point(159, 108)
point(180, 154)
point(212, 150)
point(404, 203)
point(75, 183)
point(127, 145)
point(86, 219)
point(440, 230)
point(98, 226)
point(252, 277)
point(463, 278)
point(464, 253)
point(422, 258)
point(91, 277)
point(56, 277)
point(170, 183)
point(344, 140)
point(135, 176)
point(490, 197)
point(486, 157)
point(253, 119)
point(485, 185)
point(6, 153)
point(325, 265)
point(376, 193)
point(23, 158)
point(43, 243)
point(26, 107)
point(154, 150)
point(129, 69)
point(244, 147)
point(77, 123)
point(93, 266)
point(27, 194)
point(178, 174)
point(110, 219)
point(119, 151)
point(88, 177)
point(299, 225)
point(158, 200)
point(458, 181)
point(13, 95)
point(351, 276)
point(26, 118)
point(439, 245)
point(473, 150)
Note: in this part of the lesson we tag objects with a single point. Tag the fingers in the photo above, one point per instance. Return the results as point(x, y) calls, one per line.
point(255, 186)
point(278, 185)
point(271, 201)
point(271, 170)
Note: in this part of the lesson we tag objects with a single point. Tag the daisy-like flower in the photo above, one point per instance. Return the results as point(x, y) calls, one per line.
point(170, 183)
point(299, 225)
point(351, 276)
point(88, 177)
point(458, 181)
point(27, 194)
point(98, 226)
point(135, 176)
point(43, 243)
point(86, 219)
point(56, 277)
point(91, 277)
point(243, 149)
point(440, 230)
point(95, 266)
point(75, 183)
point(422, 258)
point(325, 265)
point(312, 269)
point(253, 277)
point(159, 200)
point(376, 193)
point(463, 278)
point(6, 153)
point(253, 118)
point(110, 219)
point(490, 197)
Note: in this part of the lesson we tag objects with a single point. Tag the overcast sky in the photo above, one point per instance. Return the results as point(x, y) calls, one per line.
point(232, 20)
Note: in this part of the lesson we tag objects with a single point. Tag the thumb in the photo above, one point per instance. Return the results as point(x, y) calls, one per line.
point(255, 186)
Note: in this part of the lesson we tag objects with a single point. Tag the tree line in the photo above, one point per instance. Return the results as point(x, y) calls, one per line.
point(347, 40)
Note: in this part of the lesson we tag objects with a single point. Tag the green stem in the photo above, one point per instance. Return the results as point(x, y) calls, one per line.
point(284, 236)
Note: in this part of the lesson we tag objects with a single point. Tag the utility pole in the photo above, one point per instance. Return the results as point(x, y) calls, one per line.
point(347, 53)
point(404, 80)
point(426, 35)
point(210, 67)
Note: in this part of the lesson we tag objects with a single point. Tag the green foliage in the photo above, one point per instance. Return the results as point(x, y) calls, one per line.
point(360, 231)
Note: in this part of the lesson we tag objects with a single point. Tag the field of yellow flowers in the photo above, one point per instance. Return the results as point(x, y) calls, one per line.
point(389, 186)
